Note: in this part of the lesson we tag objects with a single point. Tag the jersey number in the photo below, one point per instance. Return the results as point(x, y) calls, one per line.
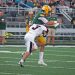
point(34, 28)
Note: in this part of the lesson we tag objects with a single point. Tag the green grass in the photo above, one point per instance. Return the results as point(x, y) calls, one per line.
point(61, 61)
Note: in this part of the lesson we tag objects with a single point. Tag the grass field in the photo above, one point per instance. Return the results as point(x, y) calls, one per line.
point(60, 60)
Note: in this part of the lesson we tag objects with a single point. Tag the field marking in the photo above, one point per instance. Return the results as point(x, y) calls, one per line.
point(9, 58)
point(19, 52)
point(45, 46)
point(59, 51)
point(33, 53)
point(36, 60)
point(24, 65)
point(11, 52)
point(4, 51)
point(41, 66)
point(61, 55)
point(13, 73)
point(6, 73)
point(46, 61)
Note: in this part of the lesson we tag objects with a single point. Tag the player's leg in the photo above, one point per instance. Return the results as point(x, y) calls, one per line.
point(41, 41)
point(49, 36)
point(27, 53)
point(53, 36)
point(30, 47)
point(41, 56)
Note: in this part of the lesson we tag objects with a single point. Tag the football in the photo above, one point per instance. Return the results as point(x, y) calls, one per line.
point(51, 23)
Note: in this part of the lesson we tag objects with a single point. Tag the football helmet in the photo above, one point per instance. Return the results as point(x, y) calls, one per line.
point(46, 9)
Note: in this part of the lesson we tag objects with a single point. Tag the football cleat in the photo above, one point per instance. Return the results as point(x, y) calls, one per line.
point(21, 64)
point(42, 63)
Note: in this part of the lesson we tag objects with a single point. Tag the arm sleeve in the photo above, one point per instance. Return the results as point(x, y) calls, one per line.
point(44, 28)
point(43, 19)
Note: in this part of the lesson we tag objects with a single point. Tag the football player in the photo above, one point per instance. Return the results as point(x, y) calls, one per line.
point(34, 31)
point(43, 18)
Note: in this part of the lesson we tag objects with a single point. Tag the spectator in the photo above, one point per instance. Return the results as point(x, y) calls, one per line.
point(41, 2)
point(30, 3)
point(0, 1)
point(9, 2)
point(17, 1)
point(54, 2)
point(52, 28)
point(2, 27)
point(72, 3)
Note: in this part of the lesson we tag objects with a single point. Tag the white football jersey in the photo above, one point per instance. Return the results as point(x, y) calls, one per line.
point(36, 30)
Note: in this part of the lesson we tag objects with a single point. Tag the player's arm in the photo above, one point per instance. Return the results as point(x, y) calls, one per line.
point(45, 30)
point(51, 23)
point(45, 21)
point(45, 33)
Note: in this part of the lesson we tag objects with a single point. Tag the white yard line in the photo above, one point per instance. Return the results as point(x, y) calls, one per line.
point(5, 73)
point(60, 67)
point(11, 52)
point(35, 60)
point(19, 52)
point(46, 46)
point(61, 55)
point(59, 51)
point(18, 65)
point(9, 58)
point(4, 51)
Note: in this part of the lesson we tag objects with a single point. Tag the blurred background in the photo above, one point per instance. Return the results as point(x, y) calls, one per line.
point(16, 14)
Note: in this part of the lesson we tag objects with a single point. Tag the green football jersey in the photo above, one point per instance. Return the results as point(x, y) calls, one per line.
point(40, 14)
point(36, 19)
